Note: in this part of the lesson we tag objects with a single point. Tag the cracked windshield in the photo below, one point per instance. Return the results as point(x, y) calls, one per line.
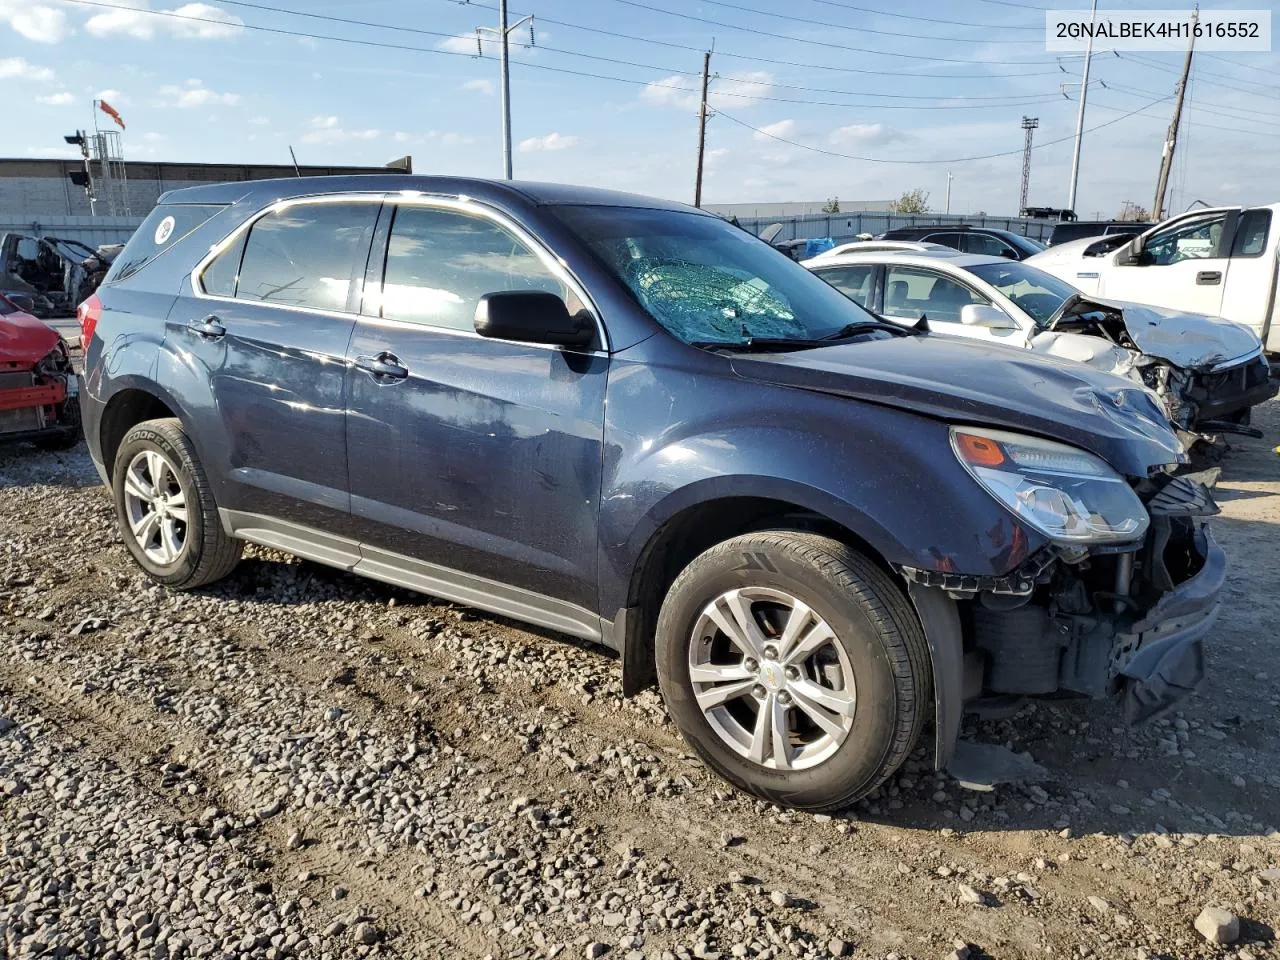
point(709, 282)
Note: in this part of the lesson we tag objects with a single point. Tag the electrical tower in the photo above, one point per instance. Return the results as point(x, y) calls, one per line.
point(1029, 124)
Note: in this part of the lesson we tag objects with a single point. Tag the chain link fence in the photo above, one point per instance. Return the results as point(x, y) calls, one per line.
point(846, 226)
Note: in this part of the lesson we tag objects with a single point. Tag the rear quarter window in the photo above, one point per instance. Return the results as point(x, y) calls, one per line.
point(164, 227)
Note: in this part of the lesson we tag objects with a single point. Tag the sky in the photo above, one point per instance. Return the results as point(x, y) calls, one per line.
point(809, 99)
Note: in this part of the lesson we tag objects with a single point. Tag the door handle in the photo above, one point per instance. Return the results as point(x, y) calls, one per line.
point(210, 328)
point(384, 367)
point(1207, 278)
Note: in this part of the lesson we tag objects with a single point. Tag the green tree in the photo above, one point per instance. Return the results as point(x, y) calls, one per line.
point(832, 205)
point(912, 201)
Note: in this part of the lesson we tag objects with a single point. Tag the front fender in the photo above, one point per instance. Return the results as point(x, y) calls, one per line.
point(886, 475)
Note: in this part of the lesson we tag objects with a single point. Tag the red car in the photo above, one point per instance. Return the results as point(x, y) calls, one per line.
point(39, 399)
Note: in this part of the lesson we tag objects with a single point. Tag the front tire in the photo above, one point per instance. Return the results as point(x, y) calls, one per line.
point(794, 667)
point(166, 511)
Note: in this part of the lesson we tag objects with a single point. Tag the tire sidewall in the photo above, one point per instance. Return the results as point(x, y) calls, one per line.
point(858, 764)
point(141, 438)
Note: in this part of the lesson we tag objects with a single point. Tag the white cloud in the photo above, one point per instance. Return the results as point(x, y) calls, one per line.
point(196, 94)
point(191, 21)
point(16, 67)
point(742, 90)
point(153, 137)
point(329, 130)
point(552, 141)
point(480, 86)
point(783, 128)
point(63, 99)
point(451, 139)
point(864, 134)
point(260, 121)
point(39, 23)
point(112, 96)
point(488, 46)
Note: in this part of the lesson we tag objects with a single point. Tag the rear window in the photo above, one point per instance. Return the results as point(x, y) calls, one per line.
point(166, 225)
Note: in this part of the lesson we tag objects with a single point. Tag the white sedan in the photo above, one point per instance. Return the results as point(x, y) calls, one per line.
point(1208, 371)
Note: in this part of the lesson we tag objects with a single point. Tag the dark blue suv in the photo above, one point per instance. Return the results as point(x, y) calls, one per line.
point(628, 421)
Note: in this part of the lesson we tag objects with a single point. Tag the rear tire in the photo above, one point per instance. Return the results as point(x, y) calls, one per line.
point(165, 509)
point(845, 692)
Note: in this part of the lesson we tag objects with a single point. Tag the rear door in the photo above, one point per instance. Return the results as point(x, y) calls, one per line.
point(1183, 265)
point(267, 330)
point(472, 457)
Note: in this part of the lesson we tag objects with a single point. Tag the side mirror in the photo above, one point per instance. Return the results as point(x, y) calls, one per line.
point(531, 316)
point(985, 315)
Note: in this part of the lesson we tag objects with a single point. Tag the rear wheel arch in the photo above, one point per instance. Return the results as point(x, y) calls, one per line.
point(125, 410)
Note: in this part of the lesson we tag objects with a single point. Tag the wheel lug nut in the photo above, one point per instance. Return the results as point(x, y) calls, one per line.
point(771, 653)
point(751, 665)
point(784, 698)
point(758, 692)
point(793, 673)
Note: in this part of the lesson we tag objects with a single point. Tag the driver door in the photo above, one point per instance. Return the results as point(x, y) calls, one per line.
point(912, 292)
point(1183, 265)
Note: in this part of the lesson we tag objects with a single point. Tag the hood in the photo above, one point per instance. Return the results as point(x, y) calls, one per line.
point(963, 381)
point(24, 339)
point(1185, 339)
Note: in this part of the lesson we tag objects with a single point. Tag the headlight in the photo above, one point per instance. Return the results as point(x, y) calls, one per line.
point(1067, 494)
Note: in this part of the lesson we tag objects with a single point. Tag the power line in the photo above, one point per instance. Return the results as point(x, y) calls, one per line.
point(907, 16)
point(989, 156)
point(785, 63)
point(791, 18)
point(349, 21)
point(380, 44)
point(773, 36)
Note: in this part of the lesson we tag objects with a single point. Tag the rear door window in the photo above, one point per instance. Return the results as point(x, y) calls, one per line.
point(985, 245)
point(165, 226)
point(307, 255)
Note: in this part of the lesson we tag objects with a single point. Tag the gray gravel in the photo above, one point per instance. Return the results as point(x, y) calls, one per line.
point(300, 763)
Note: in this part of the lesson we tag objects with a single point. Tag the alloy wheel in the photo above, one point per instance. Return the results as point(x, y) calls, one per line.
point(155, 506)
point(771, 678)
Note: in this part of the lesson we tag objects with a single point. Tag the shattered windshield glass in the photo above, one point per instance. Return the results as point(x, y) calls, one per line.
point(707, 281)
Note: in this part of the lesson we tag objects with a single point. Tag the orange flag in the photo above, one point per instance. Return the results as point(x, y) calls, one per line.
point(110, 111)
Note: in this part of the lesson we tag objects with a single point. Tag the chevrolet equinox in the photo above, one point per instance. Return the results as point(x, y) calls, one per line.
point(629, 421)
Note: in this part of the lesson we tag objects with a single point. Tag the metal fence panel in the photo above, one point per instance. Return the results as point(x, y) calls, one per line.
point(846, 226)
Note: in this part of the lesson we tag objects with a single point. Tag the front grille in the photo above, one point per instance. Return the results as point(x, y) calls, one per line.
point(21, 380)
point(20, 421)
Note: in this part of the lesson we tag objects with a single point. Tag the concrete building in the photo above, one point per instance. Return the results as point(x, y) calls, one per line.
point(32, 190)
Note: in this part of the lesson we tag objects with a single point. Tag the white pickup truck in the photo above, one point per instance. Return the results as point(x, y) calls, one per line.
point(1220, 261)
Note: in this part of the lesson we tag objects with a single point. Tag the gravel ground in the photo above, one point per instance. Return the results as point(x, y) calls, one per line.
point(301, 763)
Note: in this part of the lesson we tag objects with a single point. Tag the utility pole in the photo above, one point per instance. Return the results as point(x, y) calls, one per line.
point(1084, 94)
point(950, 177)
point(702, 128)
point(1029, 124)
point(503, 34)
point(1171, 140)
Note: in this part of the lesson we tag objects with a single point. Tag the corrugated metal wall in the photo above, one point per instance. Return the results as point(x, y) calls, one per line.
point(846, 226)
point(90, 230)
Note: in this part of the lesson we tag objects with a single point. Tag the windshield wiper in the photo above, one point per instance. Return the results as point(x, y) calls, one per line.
point(859, 326)
point(759, 344)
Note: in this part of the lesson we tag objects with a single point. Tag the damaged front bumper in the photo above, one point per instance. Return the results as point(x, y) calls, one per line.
point(1196, 398)
point(1126, 621)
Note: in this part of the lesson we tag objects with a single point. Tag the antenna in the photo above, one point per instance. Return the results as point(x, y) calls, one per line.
point(293, 156)
point(1029, 124)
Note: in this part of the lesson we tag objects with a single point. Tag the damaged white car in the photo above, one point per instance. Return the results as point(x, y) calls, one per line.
point(1207, 371)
